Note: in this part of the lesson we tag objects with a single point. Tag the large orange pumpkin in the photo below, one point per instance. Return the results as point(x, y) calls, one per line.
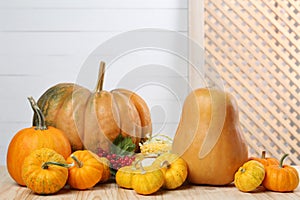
point(30, 139)
point(94, 119)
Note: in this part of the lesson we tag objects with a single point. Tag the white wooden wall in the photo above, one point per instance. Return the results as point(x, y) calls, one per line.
point(44, 42)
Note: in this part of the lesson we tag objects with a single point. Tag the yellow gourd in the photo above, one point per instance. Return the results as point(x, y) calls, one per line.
point(174, 168)
point(249, 176)
point(45, 171)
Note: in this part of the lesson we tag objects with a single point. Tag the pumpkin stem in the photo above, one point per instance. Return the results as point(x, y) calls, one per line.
point(139, 160)
point(45, 165)
point(143, 171)
point(100, 77)
point(78, 162)
point(165, 163)
point(263, 154)
point(41, 124)
point(282, 159)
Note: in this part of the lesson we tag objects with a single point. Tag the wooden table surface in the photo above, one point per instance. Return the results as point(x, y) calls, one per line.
point(10, 190)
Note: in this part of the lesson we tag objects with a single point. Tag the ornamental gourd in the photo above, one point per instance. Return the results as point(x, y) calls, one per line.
point(249, 176)
point(209, 137)
point(281, 178)
point(94, 119)
point(45, 171)
point(86, 171)
point(174, 168)
point(29, 139)
point(143, 180)
point(147, 180)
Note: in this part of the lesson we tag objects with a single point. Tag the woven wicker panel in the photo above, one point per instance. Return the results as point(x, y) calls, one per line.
point(255, 47)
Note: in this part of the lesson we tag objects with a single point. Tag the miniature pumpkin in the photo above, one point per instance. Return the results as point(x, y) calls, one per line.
point(86, 172)
point(147, 180)
point(45, 171)
point(106, 170)
point(249, 176)
point(174, 168)
point(124, 177)
point(281, 178)
point(71, 107)
point(264, 160)
point(209, 137)
point(29, 139)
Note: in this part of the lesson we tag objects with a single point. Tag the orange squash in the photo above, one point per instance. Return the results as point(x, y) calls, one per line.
point(265, 160)
point(86, 172)
point(209, 137)
point(281, 178)
point(29, 139)
point(94, 119)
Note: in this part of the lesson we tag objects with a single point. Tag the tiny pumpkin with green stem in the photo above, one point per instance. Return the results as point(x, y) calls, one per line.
point(249, 176)
point(174, 168)
point(86, 172)
point(281, 178)
point(44, 171)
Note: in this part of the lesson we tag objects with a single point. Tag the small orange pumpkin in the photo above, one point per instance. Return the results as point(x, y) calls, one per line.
point(29, 139)
point(86, 172)
point(265, 160)
point(281, 178)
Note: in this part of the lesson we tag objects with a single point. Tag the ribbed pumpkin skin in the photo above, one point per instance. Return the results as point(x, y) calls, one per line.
point(29, 139)
point(93, 120)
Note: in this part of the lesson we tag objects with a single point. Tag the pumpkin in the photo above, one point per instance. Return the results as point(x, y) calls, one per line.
point(106, 170)
point(29, 139)
point(86, 172)
point(147, 180)
point(281, 178)
point(124, 177)
point(143, 180)
point(264, 160)
point(249, 176)
point(45, 171)
point(209, 137)
point(94, 119)
point(174, 168)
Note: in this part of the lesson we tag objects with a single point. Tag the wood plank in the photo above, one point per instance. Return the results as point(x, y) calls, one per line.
point(91, 20)
point(10, 190)
point(92, 4)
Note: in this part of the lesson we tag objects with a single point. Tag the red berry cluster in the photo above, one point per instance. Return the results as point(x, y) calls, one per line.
point(116, 161)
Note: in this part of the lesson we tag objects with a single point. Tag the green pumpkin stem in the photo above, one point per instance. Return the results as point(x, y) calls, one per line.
point(282, 159)
point(77, 161)
point(41, 124)
point(45, 165)
point(100, 77)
